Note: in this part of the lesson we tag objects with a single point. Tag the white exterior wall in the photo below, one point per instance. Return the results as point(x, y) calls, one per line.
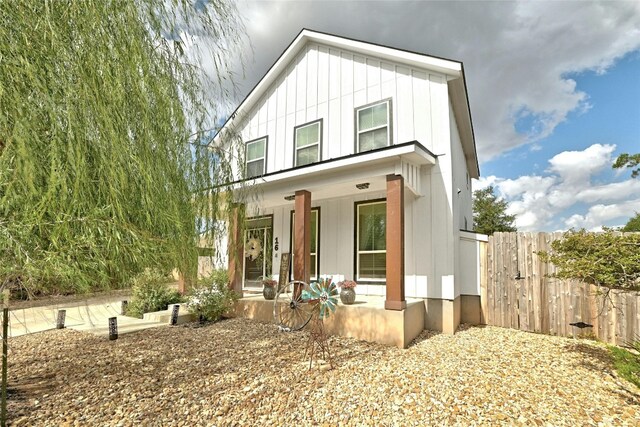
point(327, 83)
point(461, 181)
point(470, 262)
point(462, 201)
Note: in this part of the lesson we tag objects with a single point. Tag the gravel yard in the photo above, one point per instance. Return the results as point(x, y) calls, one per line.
point(240, 372)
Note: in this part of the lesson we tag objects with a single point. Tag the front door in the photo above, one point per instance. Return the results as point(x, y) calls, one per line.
point(257, 252)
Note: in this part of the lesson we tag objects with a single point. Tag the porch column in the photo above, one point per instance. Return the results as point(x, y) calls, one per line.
point(236, 248)
point(302, 237)
point(395, 243)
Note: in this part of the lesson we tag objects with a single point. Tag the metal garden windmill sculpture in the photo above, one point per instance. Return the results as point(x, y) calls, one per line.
point(324, 298)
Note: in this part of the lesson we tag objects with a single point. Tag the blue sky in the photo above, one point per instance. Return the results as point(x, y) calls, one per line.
point(611, 118)
point(554, 89)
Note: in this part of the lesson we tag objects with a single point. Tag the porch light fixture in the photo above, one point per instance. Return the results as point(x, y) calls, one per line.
point(362, 186)
point(290, 198)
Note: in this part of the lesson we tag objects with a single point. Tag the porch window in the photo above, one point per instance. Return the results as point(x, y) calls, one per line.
point(315, 243)
point(256, 156)
point(307, 143)
point(373, 126)
point(371, 241)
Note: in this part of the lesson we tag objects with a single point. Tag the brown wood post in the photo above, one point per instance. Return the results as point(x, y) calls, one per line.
point(235, 249)
point(395, 243)
point(302, 237)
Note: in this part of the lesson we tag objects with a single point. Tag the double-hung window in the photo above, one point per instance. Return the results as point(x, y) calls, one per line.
point(373, 126)
point(256, 157)
point(371, 241)
point(307, 143)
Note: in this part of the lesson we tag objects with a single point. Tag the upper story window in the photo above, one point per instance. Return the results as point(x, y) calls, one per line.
point(307, 143)
point(256, 157)
point(373, 126)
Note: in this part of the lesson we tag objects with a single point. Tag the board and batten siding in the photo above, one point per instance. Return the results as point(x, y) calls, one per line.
point(328, 84)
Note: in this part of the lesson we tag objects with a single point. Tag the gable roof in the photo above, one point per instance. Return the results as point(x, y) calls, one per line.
point(453, 70)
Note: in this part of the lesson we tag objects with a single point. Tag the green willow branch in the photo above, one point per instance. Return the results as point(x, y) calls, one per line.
point(97, 107)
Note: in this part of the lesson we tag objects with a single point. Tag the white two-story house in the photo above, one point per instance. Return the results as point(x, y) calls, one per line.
point(360, 159)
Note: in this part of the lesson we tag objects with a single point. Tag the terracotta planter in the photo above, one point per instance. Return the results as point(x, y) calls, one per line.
point(269, 292)
point(348, 296)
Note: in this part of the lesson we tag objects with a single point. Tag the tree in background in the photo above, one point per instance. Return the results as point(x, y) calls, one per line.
point(490, 213)
point(101, 103)
point(633, 224)
point(628, 161)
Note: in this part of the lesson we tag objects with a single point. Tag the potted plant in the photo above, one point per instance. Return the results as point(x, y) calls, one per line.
point(347, 291)
point(269, 287)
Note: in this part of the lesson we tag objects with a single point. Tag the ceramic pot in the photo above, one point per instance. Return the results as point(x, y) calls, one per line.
point(348, 296)
point(269, 292)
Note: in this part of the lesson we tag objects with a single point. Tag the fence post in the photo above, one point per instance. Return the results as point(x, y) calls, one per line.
point(5, 332)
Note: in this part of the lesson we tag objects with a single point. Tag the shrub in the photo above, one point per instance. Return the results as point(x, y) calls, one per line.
point(627, 363)
point(151, 292)
point(608, 259)
point(211, 297)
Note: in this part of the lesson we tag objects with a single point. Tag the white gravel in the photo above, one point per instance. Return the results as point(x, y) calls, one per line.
point(240, 372)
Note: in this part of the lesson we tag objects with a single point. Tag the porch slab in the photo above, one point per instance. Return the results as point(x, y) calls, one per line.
point(366, 319)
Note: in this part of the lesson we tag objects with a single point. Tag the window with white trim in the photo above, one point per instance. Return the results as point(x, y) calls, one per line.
point(256, 157)
point(315, 242)
point(371, 241)
point(372, 126)
point(307, 143)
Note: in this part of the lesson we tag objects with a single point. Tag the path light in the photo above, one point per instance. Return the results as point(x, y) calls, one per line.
point(113, 328)
point(123, 307)
point(174, 314)
point(62, 314)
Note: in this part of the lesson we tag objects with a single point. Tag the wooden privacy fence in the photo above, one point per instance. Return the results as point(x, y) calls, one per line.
point(516, 292)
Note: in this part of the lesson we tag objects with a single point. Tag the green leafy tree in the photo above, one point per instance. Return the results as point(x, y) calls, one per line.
point(610, 259)
point(490, 213)
point(629, 161)
point(103, 111)
point(633, 224)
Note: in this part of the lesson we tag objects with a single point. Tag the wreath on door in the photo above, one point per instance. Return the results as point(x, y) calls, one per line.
point(253, 248)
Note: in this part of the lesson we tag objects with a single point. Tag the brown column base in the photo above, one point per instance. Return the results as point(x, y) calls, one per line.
point(395, 305)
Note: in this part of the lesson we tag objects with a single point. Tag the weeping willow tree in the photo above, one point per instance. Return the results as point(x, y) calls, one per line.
point(103, 111)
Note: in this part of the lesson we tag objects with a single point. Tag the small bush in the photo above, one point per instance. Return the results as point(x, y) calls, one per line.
point(211, 297)
point(151, 293)
point(608, 259)
point(627, 363)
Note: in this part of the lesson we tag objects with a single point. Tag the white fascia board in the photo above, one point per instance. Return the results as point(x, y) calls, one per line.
point(411, 152)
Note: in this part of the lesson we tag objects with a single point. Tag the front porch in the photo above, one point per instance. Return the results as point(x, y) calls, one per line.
point(367, 319)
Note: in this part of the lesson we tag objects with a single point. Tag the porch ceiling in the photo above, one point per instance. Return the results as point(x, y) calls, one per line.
point(337, 178)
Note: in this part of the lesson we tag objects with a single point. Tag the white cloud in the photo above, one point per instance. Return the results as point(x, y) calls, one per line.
point(599, 214)
point(517, 54)
point(575, 167)
point(539, 201)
